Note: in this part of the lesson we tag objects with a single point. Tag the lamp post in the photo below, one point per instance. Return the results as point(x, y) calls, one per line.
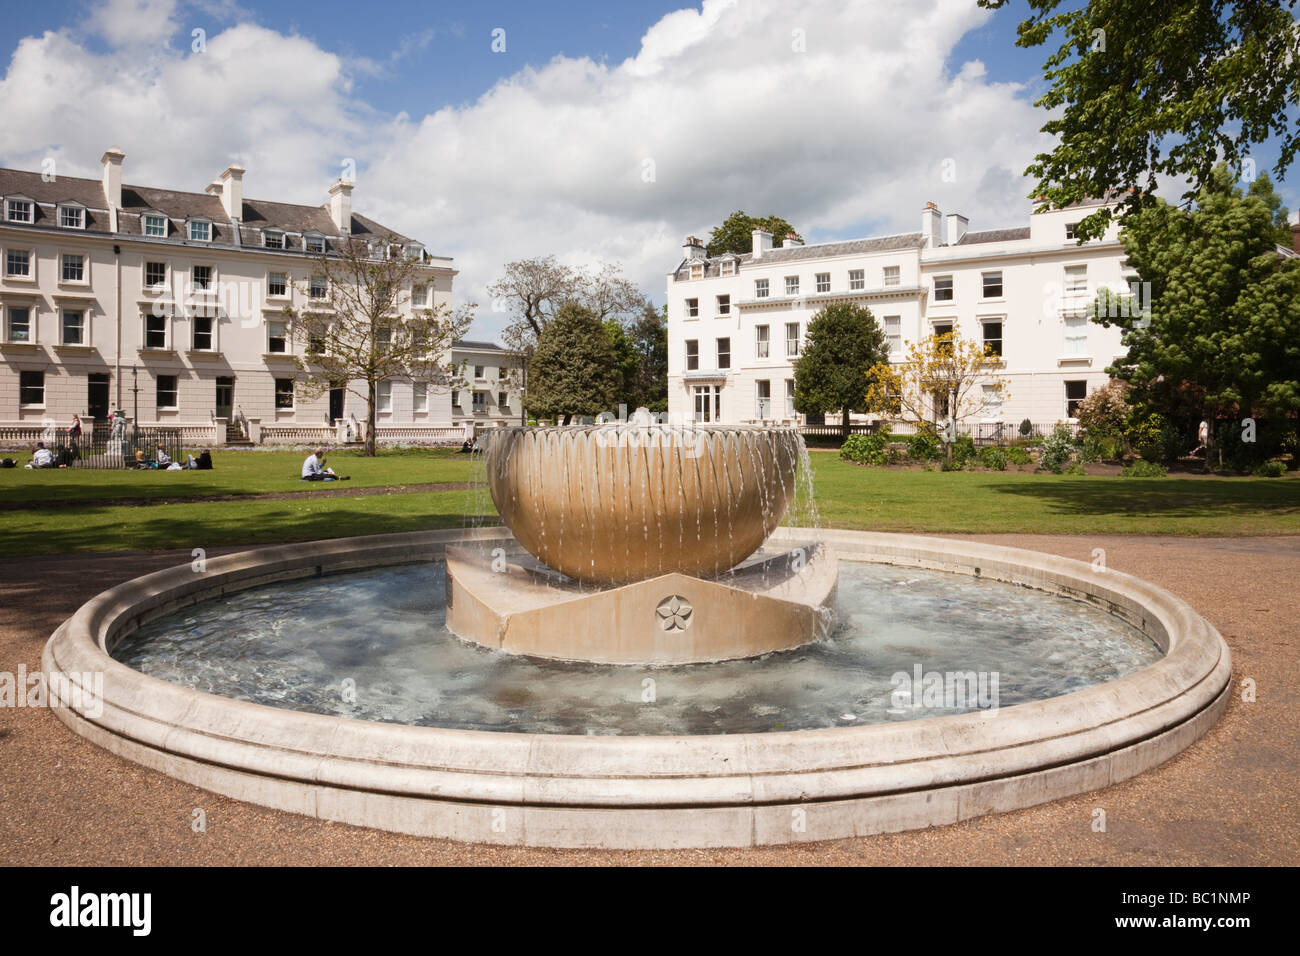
point(135, 406)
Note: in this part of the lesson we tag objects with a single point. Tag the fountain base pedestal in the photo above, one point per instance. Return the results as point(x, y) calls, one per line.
point(516, 604)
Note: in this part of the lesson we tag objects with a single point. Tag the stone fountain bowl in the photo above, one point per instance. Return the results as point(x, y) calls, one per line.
point(626, 502)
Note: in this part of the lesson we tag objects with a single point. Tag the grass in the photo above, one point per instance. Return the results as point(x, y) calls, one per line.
point(849, 496)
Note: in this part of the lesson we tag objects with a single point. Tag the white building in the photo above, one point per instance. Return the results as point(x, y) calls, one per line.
point(736, 322)
point(488, 390)
point(123, 296)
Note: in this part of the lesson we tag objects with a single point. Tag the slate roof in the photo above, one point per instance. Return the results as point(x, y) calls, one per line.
point(910, 240)
point(994, 235)
point(472, 344)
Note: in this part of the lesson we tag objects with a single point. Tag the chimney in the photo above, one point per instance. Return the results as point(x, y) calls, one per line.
point(341, 206)
point(693, 248)
point(762, 242)
point(792, 241)
point(931, 226)
point(232, 191)
point(112, 161)
point(957, 226)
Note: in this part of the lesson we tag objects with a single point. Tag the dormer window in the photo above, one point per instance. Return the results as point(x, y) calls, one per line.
point(315, 243)
point(72, 217)
point(728, 267)
point(273, 239)
point(18, 210)
point(697, 271)
point(155, 225)
point(200, 230)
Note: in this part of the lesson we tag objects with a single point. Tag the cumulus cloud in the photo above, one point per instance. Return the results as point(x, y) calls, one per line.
point(843, 118)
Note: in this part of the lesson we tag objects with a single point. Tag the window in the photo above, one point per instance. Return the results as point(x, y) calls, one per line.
point(479, 402)
point(763, 406)
point(791, 339)
point(18, 263)
point(1075, 392)
point(728, 267)
point(72, 217)
point(383, 338)
point(283, 393)
point(419, 295)
point(503, 400)
point(1076, 335)
point(315, 343)
point(277, 284)
point(165, 391)
point(200, 231)
point(692, 355)
point(993, 337)
point(155, 275)
point(155, 331)
point(155, 226)
point(724, 305)
point(791, 285)
point(419, 397)
point(74, 267)
point(943, 335)
point(760, 341)
point(724, 353)
point(74, 327)
point(857, 279)
point(455, 398)
point(316, 244)
point(708, 403)
point(992, 401)
point(384, 396)
point(760, 288)
point(276, 343)
point(1076, 279)
point(943, 288)
point(1069, 230)
point(202, 334)
point(201, 278)
point(894, 333)
point(697, 271)
point(823, 282)
point(316, 288)
point(18, 210)
point(992, 285)
point(273, 239)
point(692, 308)
point(31, 388)
point(478, 371)
point(789, 398)
point(20, 324)
point(892, 276)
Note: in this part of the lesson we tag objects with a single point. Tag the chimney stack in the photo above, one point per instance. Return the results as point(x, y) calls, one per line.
point(693, 248)
point(792, 241)
point(341, 206)
point(762, 242)
point(957, 227)
point(112, 161)
point(232, 191)
point(931, 226)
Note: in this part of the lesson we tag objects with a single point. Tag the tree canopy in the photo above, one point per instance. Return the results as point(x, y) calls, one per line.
point(1141, 90)
point(641, 348)
point(736, 233)
point(842, 343)
point(574, 369)
point(531, 290)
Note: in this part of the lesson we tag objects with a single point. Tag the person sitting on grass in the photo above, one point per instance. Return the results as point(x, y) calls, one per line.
point(42, 457)
point(161, 457)
point(313, 469)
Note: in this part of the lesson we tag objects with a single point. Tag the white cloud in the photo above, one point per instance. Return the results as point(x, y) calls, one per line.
point(849, 137)
point(134, 23)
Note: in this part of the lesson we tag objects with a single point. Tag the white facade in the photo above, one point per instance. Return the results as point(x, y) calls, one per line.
point(736, 323)
point(488, 391)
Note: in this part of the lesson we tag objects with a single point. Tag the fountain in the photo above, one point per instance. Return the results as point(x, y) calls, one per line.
point(658, 649)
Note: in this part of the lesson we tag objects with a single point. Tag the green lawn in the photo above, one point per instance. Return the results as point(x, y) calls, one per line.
point(849, 496)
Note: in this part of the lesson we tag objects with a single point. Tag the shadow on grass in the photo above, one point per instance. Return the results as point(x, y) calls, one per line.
point(1171, 497)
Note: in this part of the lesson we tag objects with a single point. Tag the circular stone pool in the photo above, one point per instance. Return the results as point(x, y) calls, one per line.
point(293, 645)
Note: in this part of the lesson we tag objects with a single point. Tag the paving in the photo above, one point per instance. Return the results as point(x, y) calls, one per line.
point(1231, 798)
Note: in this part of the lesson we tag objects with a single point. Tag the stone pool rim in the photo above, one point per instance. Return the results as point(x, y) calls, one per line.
point(646, 791)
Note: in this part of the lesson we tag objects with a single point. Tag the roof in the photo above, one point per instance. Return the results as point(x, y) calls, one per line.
point(994, 235)
point(483, 346)
point(909, 240)
point(87, 192)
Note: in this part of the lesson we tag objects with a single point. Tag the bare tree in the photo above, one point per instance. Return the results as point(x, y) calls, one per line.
point(362, 326)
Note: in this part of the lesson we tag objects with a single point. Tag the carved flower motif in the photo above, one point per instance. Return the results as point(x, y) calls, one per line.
point(674, 613)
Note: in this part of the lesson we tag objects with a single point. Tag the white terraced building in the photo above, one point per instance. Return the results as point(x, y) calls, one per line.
point(736, 323)
point(113, 296)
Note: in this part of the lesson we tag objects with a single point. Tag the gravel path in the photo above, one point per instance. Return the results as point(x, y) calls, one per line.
point(1232, 798)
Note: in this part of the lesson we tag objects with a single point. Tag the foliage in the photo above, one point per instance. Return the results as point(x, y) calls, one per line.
point(736, 233)
point(1076, 469)
point(573, 369)
point(1246, 448)
point(991, 456)
point(923, 446)
point(1018, 456)
point(963, 449)
point(366, 329)
point(866, 449)
point(532, 290)
point(1140, 92)
point(1155, 437)
point(1103, 447)
point(1145, 469)
point(1056, 450)
point(641, 350)
point(1271, 469)
point(843, 345)
point(1104, 411)
point(1026, 427)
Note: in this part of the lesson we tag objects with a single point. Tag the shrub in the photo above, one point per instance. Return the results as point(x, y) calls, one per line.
point(923, 446)
point(1076, 469)
point(963, 449)
point(1104, 411)
point(947, 465)
point(1018, 456)
point(1271, 469)
point(1145, 469)
point(1057, 450)
point(1026, 427)
point(991, 456)
point(1155, 438)
point(866, 449)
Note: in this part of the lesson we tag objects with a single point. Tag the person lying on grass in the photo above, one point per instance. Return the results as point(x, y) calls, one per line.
point(313, 469)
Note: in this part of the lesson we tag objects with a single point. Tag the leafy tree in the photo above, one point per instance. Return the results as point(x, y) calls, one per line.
point(842, 346)
point(641, 348)
point(574, 368)
point(1263, 188)
point(941, 381)
point(736, 233)
point(533, 289)
point(1140, 90)
point(1223, 329)
point(361, 331)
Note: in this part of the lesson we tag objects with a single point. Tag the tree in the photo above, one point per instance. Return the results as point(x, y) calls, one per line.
point(1141, 90)
point(944, 380)
point(356, 332)
point(842, 345)
point(736, 234)
point(641, 348)
point(533, 289)
point(573, 370)
point(1222, 331)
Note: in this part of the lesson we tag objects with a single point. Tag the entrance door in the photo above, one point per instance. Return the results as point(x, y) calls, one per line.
point(225, 398)
point(336, 405)
point(97, 397)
